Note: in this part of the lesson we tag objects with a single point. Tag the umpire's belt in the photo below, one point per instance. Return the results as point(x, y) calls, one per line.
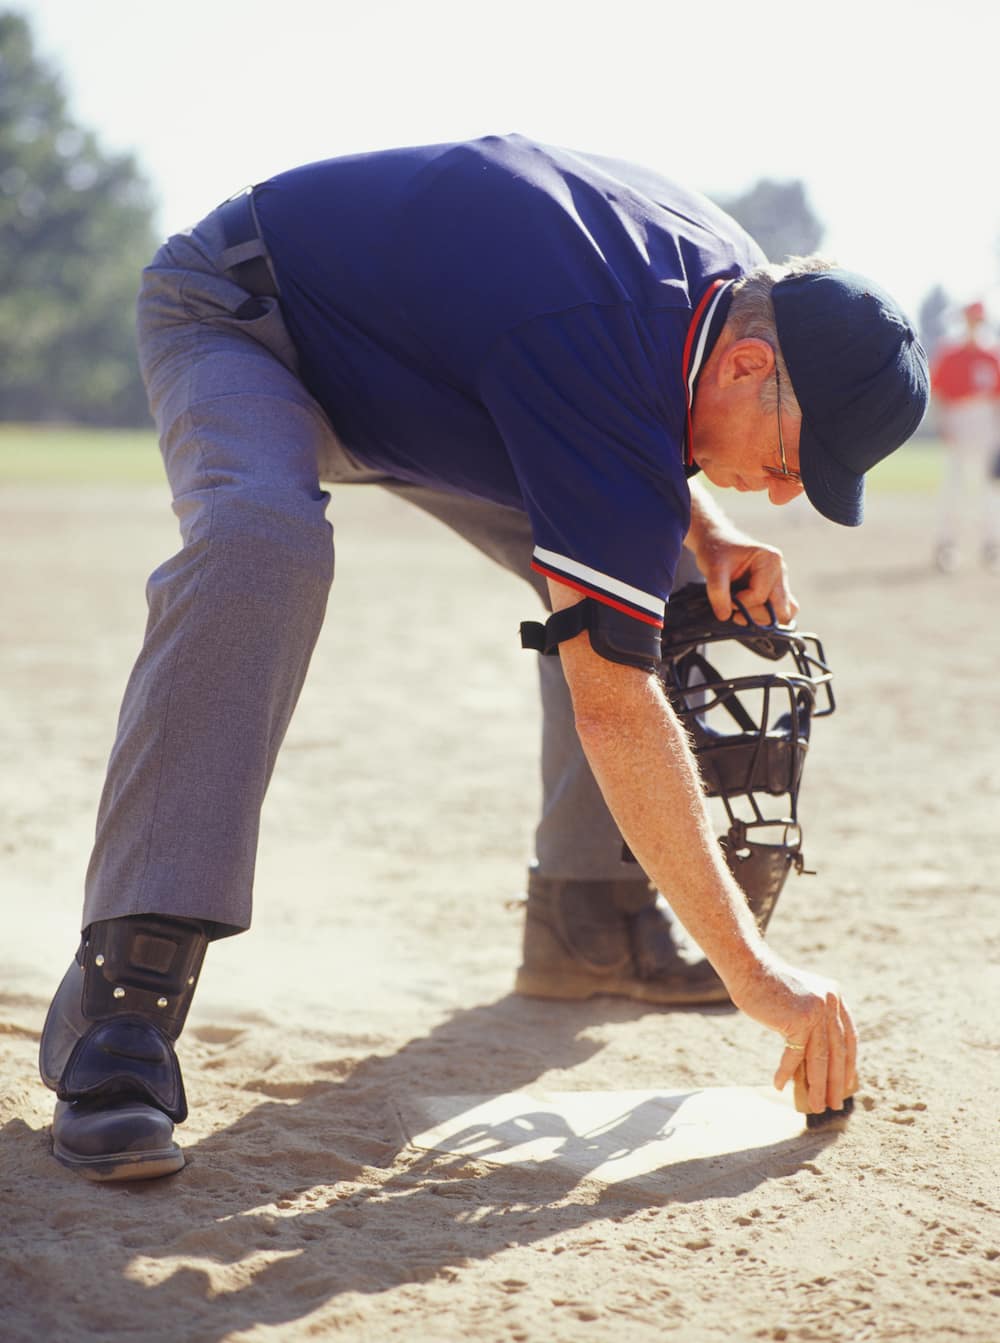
point(244, 257)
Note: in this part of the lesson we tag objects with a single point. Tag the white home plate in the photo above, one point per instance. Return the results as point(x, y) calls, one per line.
point(609, 1136)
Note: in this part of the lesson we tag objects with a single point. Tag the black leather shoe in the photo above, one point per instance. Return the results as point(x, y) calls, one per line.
point(583, 938)
point(105, 1140)
point(107, 1047)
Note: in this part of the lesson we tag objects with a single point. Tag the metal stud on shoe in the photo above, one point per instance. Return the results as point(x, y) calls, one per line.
point(151, 959)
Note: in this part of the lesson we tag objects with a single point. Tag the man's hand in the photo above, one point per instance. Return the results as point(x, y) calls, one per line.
point(810, 1014)
point(729, 559)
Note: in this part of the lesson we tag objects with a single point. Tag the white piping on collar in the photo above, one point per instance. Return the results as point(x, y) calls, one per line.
point(699, 350)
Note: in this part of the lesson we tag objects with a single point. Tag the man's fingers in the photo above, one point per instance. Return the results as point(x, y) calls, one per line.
point(768, 587)
point(791, 1058)
point(754, 598)
point(817, 1071)
point(785, 605)
point(759, 576)
point(766, 584)
point(718, 596)
point(842, 1076)
point(821, 1056)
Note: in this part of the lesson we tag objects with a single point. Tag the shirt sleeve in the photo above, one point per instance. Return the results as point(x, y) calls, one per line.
point(591, 408)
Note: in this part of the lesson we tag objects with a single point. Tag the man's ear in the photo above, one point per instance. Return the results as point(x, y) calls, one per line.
point(746, 358)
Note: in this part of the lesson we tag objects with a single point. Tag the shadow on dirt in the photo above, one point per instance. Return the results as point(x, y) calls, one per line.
point(337, 1200)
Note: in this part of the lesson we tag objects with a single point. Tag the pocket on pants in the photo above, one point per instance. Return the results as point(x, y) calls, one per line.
point(217, 302)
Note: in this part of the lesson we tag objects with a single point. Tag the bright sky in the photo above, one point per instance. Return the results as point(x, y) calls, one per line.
point(886, 109)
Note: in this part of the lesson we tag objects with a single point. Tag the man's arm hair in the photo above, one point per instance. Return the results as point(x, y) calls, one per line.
point(643, 764)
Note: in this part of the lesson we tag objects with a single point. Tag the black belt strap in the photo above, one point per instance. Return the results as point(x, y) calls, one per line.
point(245, 257)
point(561, 625)
point(614, 634)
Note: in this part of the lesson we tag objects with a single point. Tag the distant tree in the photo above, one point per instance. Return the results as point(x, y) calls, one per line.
point(778, 216)
point(932, 318)
point(75, 231)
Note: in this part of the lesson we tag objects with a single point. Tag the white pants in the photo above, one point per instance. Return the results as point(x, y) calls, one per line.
point(970, 496)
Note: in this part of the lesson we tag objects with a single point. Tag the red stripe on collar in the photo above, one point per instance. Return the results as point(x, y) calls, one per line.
point(693, 330)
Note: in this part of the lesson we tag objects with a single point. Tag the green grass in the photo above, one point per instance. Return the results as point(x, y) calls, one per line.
point(52, 454)
point(43, 454)
point(916, 467)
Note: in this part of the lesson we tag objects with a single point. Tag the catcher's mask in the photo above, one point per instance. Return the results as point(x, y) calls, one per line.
point(750, 732)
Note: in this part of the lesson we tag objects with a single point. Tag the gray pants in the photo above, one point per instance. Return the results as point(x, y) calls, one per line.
point(235, 614)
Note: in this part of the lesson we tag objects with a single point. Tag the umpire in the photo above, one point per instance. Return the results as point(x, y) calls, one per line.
point(540, 348)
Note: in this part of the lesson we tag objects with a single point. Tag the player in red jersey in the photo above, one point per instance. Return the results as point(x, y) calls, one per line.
point(965, 382)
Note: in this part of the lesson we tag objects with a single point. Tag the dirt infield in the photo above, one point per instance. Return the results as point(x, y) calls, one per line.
point(381, 960)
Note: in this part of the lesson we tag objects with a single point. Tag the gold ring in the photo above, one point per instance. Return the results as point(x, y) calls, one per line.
point(799, 1049)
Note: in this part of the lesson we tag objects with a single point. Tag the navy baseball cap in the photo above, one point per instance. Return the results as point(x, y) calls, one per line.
point(860, 377)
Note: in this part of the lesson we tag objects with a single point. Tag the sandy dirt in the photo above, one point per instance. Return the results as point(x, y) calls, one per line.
point(381, 960)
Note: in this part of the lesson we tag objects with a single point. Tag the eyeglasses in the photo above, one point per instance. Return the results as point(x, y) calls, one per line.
point(781, 472)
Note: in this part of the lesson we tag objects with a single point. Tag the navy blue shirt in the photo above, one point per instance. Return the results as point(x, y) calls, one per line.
point(508, 320)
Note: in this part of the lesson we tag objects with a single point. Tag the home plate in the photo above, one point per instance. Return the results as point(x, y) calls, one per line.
point(609, 1136)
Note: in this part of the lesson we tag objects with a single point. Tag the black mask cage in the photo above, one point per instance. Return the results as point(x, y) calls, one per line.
point(749, 728)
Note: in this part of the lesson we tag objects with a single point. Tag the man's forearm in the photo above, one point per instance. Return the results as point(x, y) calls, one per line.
point(710, 524)
point(643, 764)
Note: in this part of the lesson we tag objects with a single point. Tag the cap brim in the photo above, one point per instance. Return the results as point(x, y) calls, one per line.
point(833, 490)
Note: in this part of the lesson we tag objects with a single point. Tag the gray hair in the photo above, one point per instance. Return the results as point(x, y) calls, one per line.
point(752, 317)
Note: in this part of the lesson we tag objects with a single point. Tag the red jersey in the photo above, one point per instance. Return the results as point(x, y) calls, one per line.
point(960, 372)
